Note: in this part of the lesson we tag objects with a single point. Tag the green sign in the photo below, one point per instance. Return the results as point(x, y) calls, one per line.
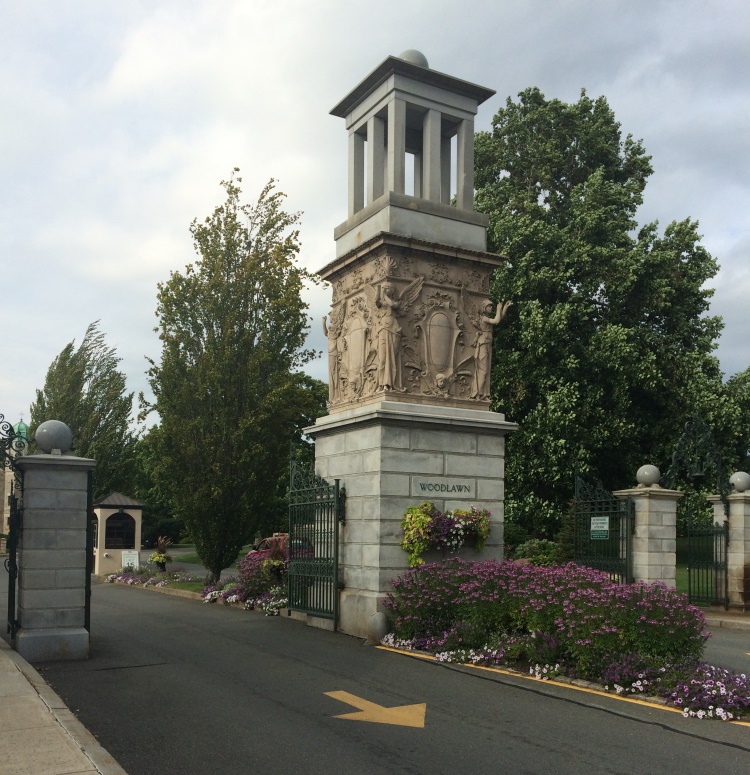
point(599, 528)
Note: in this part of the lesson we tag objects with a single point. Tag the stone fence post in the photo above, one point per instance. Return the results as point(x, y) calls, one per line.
point(738, 554)
point(52, 550)
point(655, 538)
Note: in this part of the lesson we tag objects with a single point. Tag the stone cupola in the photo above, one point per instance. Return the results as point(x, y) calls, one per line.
point(401, 110)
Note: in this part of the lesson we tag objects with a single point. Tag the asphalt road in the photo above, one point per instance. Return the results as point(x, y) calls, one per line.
point(177, 686)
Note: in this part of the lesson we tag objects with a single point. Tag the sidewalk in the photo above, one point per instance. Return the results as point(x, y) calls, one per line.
point(730, 620)
point(38, 734)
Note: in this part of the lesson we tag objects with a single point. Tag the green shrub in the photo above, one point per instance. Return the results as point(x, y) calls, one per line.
point(538, 551)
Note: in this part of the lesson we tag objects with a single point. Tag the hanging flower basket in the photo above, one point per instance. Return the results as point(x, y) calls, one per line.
point(425, 527)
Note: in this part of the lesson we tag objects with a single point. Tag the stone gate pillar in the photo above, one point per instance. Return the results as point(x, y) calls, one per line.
point(655, 538)
point(738, 550)
point(52, 550)
point(411, 326)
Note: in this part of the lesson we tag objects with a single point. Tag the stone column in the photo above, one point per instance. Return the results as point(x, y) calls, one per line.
point(445, 170)
point(431, 168)
point(465, 165)
point(375, 158)
point(396, 145)
point(738, 554)
point(655, 538)
point(356, 173)
point(52, 556)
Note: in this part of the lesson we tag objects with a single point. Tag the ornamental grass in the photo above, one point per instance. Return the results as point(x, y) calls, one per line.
point(565, 619)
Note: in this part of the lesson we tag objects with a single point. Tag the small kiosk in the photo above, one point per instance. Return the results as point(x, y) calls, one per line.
point(117, 533)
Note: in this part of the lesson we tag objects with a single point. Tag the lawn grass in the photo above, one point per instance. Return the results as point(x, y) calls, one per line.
point(681, 578)
point(194, 559)
point(188, 586)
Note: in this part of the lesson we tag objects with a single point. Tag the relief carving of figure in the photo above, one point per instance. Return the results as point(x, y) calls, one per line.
point(388, 305)
point(335, 347)
point(484, 322)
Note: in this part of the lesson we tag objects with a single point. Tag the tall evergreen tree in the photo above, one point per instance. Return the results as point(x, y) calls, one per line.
point(228, 389)
point(85, 389)
point(607, 349)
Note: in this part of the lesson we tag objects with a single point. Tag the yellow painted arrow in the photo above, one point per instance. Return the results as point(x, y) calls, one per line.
point(402, 715)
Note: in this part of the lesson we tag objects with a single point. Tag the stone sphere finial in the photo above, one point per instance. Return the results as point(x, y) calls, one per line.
point(648, 476)
point(741, 481)
point(415, 57)
point(53, 435)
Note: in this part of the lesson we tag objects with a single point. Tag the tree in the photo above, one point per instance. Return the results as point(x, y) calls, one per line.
point(85, 389)
point(606, 351)
point(227, 389)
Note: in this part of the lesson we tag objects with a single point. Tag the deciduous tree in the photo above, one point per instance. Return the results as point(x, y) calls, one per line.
point(607, 349)
point(85, 389)
point(228, 389)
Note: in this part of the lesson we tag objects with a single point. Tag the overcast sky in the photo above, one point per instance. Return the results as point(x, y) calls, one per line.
point(119, 119)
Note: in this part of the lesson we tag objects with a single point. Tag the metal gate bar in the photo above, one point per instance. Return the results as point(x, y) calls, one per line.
point(708, 577)
point(11, 561)
point(315, 510)
point(609, 548)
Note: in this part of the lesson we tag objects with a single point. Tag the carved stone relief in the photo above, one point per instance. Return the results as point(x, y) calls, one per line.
point(411, 327)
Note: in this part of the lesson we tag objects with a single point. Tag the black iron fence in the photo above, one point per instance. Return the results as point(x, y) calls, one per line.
point(603, 531)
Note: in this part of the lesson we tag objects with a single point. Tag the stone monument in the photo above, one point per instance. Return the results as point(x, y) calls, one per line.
point(410, 329)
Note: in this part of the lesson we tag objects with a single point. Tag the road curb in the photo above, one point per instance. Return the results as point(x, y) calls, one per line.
point(99, 757)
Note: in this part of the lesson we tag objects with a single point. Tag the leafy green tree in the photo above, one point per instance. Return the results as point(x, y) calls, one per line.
point(606, 351)
point(85, 389)
point(228, 388)
point(157, 516)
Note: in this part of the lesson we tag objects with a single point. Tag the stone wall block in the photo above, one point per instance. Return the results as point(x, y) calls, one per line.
point(362, 438)
point(490, 444)
point(40, 539)
point(38, 579)
point(414, 462)
point(70, 617)
point(73, 577)
point(39, 618)
point(41, 559)
point(351, 555)
point(395, 437)
point(396, 484)
point(490, 489)
point(361, 485)
point(51, 598)
point(441, 441)
point(472, 465)
point(42, 519)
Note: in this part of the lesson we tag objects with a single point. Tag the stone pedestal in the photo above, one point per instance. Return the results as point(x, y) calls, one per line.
point(391, 455)
point(655, 538)
point(738, 554)
point(52, 558)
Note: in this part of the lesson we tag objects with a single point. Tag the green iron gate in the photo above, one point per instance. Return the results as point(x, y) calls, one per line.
point(695, 459)
point(603, 531)
point(316, 508)
point(708, 579)
point(12, 445)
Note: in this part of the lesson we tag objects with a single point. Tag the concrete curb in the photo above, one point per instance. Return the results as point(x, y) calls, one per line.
point(101, 760)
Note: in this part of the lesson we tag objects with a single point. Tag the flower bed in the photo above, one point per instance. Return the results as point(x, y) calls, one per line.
point(565, 620)
point(260, 583)
point(145, 577)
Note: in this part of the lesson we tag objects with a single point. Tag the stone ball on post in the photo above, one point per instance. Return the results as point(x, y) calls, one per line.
point(648, 476)
point(52, 436)
point(415, 57)
point(740, 481)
